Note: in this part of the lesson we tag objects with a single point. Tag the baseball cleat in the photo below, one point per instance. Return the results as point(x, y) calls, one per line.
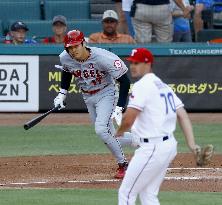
point(121, 170)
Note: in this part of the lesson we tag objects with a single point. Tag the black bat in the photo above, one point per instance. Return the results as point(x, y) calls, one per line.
point(37, 119)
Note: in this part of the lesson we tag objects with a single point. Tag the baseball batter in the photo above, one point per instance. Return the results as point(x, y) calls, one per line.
point(151, 114)
point(96, 71)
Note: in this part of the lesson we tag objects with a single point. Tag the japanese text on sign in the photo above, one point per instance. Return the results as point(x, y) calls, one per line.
point(55, 77)
point(194, 88)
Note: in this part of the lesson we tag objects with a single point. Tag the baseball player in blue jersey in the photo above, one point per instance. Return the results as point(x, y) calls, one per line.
point(96, 71)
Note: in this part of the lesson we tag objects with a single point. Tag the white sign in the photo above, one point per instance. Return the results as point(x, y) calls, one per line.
point(19, 83)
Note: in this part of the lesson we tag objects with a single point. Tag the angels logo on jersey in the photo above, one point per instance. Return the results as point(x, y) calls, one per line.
point(118, 64)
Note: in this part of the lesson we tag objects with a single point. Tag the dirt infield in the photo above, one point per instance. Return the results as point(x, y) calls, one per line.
point(83, 118)
point(96, 171)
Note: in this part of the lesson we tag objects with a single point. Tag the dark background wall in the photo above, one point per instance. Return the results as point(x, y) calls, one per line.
point(195, 79)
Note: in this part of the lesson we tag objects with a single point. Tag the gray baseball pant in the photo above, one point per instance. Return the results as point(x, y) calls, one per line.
point(100, 107)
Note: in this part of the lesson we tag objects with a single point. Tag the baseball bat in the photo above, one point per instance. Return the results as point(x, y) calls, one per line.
point(37, 119)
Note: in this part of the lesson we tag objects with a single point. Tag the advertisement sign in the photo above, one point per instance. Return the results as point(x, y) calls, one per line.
point(50, 79)
point(19, 83)
point(195, 79)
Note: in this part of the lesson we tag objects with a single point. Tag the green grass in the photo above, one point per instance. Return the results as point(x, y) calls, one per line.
point(204, 134)
point(97, 197)
point(52, 140)
point(79, 139)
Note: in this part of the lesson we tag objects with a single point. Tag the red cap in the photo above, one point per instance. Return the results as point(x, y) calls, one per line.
point(141, 55)
point(74, 37)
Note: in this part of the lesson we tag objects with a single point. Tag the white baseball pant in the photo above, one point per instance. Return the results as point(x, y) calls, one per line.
point(146, 171)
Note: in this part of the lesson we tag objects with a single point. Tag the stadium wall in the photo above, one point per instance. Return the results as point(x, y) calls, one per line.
point(29, 80)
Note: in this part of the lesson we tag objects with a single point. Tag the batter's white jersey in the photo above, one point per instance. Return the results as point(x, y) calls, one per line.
point(158, 104)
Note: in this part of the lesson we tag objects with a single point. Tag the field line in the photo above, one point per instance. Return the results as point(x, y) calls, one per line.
point(193, 178)
point(177, 178)
point(195, 168)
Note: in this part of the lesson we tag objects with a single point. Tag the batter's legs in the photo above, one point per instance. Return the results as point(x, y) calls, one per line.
point(101, 110)
point(104, 126)
point(92, 112)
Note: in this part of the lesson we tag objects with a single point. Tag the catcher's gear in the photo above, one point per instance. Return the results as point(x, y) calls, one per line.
point(59, 101)
point(74, 37)
point(204, 155)
point(117, 115)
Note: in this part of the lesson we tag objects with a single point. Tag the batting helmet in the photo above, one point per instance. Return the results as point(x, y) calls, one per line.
point(74, 37)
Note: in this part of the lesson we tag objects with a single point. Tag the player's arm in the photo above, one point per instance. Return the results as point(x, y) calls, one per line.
point(128, 119)
point(203, 156)
point(117, 69)
point(66, 80)
point(124, 83)
point(65, 84)
point(186, 126)
point(137, 102)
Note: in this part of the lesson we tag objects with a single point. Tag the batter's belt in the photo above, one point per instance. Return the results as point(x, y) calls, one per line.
point(92, 92)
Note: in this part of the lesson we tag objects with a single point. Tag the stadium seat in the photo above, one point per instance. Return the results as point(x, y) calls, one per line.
point(99, 6)
point(208, 34)
point(101, 2)
point(61, 0)
point(71, 9)
point(217, 23)
point(22, 0)
point(86, 26)
point(19, 10)
point(38, 29)
point(208, 17)
point(1, 29)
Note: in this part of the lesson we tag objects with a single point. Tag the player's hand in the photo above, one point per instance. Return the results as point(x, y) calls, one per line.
point(59, 101)
point(195, 149)
point(117, 115)
point(203, 155)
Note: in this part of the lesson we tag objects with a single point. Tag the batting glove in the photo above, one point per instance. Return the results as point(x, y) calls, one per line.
point(117, 115)
point(59, 100)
